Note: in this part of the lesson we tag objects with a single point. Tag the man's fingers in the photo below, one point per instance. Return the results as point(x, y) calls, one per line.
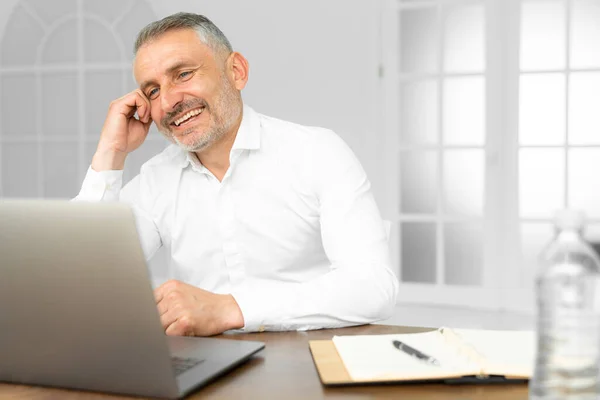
point(168, 318)
point(174, 307)
point(171, 330)
point(158, 294)
point(172, 285)
point(162, 307)
point(167, 287)
point(147, 123)
point(136, 102)
point(177, 324)
point(143, 106)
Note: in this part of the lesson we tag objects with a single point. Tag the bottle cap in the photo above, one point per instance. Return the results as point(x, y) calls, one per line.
point(569, 219)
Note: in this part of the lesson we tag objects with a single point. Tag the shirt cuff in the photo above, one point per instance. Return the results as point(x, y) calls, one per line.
point(103, 185)
point(252, 320)
point(262, 303)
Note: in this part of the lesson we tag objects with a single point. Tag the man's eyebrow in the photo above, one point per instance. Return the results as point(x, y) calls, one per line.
point(144, 85)
point(168, 71)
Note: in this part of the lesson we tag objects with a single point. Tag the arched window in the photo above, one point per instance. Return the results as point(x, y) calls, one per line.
point(61, 64)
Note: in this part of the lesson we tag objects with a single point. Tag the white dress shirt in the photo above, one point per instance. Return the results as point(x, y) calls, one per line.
point(292, 231)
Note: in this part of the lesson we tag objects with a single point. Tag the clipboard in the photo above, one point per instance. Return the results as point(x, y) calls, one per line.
point(329, 365)
point(332, 371)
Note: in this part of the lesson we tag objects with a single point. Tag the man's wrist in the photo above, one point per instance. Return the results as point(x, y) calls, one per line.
point(106, 160)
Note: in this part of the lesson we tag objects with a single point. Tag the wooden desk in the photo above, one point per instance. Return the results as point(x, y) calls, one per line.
point(285, 370)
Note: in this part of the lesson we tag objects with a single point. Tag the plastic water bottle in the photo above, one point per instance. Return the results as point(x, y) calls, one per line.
point(568, 293)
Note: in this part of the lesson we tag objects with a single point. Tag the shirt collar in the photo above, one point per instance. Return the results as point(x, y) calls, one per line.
point(247, 138)
point(248, 135)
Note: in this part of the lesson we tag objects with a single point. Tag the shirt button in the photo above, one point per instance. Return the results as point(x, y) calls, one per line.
point(261, 328)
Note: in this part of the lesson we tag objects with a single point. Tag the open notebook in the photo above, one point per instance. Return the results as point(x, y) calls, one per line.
point(454, 354)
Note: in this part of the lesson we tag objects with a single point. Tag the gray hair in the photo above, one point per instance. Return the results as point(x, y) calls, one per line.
point(208, 32)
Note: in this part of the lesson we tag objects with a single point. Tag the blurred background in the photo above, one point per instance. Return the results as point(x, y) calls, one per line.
point(475, 119)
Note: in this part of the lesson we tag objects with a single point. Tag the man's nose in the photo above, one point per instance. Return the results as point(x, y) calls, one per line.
point(170, 98)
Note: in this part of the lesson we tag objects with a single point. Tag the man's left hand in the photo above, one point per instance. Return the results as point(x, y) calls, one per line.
point(186, 310)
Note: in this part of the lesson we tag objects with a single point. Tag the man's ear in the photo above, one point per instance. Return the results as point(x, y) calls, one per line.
point(238, 68)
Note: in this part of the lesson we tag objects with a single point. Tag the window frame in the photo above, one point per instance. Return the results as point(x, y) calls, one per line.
point(500, 201)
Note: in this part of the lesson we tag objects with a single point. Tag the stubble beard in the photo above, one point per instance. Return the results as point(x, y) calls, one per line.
point(223, 116)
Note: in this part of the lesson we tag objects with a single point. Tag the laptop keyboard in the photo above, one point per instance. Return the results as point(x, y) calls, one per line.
point(181, 364)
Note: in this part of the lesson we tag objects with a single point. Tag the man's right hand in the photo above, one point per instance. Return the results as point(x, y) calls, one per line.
point(122, 132)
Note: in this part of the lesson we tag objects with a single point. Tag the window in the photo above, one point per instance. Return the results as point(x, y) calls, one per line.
point(559, 127)
point(61, 63)
point(440, 142)
point(491, 128)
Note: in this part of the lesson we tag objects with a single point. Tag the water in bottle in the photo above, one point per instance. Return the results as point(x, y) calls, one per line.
point(568, 316)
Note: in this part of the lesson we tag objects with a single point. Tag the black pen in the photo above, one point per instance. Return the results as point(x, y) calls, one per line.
point(411, 351)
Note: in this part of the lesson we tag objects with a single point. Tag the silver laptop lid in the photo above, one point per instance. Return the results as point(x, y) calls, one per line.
point(76, 306)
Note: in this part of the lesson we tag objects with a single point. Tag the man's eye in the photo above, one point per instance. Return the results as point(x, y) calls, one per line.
point(185, 74)
point(153, 93)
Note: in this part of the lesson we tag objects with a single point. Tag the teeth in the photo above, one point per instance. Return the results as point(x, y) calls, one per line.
point(187, 116)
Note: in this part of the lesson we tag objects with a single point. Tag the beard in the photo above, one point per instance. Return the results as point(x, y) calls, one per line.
point(223, 116)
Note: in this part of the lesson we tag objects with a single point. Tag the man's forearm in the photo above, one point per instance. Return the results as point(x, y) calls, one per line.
point(343, 297)
point(108, 160)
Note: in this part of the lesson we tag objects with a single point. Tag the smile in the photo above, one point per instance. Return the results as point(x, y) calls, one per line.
point(185, 117)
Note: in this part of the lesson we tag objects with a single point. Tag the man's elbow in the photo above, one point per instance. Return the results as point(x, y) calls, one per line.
point(388, 303)
point(383, 294)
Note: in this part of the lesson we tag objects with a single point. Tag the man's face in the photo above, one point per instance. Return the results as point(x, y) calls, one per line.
point(192, 101)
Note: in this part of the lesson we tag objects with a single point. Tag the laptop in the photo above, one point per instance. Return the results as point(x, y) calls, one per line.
point(77, 308)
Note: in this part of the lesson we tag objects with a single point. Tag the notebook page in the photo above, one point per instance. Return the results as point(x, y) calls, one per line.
point(374, 357)
point(505, 352)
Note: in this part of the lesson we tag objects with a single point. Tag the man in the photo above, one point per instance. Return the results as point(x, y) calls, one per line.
point(269, 225)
